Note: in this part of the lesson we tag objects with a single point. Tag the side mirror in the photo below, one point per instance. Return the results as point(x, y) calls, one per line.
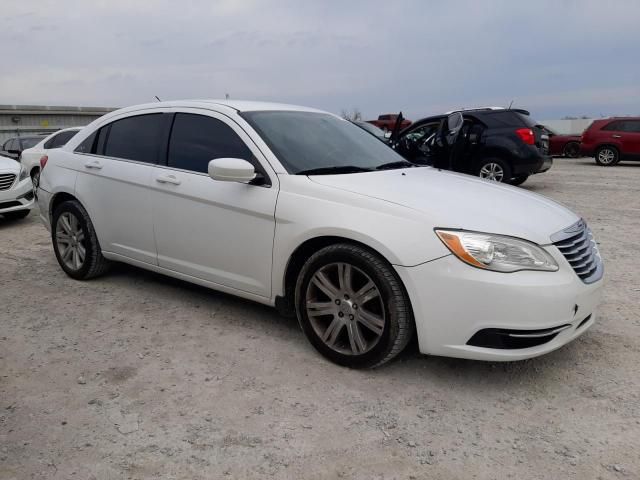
point(231, 170)
point(454, 123)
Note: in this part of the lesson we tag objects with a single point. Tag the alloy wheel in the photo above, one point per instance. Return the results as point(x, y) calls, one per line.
point(492, 171)
point(345, 308)
point(70, 240)
point(606, 156)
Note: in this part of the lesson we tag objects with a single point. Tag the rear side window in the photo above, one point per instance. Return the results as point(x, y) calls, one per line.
point(633, 126)
point(60, 140)
point(197, 139)
point(134, 138)
point(617, 126)
point(30, 142)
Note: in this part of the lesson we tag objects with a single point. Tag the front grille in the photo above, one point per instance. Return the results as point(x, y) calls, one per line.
point(6, 180)
point(577, 245)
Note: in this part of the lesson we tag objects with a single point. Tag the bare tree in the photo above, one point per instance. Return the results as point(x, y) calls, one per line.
point(351, 115)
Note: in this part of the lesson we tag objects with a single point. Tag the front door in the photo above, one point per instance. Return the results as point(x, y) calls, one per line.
point(220, 232)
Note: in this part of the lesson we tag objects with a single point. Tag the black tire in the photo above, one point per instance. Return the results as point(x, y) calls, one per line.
point(394, 307)
point(35, 177)
point(571, 150)
point(519, 179)
point(16, 214)
point(94, 263)
point(607, 156)
point(485, 165)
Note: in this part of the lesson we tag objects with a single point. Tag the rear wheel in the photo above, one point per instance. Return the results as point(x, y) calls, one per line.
point(352, 306)
point(571, 150)
point(75, 242)
point(16, 215)
point(494, 169)
point(607, 156)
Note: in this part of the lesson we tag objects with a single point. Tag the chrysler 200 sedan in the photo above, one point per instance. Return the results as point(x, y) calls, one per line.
point(300, 209)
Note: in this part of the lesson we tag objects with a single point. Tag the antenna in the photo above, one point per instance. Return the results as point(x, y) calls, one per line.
point(157, 98)
point(510, 105)
point(226, 96)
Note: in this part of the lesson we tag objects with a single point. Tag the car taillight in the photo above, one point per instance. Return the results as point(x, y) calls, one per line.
point(43, 161)
point(526, 135)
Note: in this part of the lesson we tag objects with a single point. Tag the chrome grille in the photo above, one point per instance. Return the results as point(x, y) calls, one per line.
point(6, 180)
point(577, 245)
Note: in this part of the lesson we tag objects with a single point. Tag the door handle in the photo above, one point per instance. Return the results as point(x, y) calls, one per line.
point(616, 136)
point(94, 164)
point(168, 179)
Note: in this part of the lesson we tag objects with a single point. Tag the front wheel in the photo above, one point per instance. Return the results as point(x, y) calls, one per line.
point(607, 156)
point(75, 242)
point(352, 306)
point(494, 169)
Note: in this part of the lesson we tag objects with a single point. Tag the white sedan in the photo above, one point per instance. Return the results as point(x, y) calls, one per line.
point(31, 157)
point(16, 191)
point(297, 208)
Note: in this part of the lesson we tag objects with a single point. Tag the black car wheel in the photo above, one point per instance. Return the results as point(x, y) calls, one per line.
point(571, 150)
point(75, 242)
point(494, 169)
point(607, 156)
point(519, 179)
point(352, 306)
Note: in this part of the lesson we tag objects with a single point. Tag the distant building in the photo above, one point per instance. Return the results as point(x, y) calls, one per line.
point(568, 126)
point(20, 120)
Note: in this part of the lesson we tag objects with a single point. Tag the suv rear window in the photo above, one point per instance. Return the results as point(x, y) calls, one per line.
point(508, 118)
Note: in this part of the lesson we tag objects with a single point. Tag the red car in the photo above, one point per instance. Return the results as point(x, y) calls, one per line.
point(612, 139)
point(387, 122)
point(563, 145)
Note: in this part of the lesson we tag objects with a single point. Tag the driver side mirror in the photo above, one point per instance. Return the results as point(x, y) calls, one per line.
point(454, 123)
point(231, 170)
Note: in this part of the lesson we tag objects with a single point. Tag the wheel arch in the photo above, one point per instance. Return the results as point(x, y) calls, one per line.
point(284, 299)
point(57, 199)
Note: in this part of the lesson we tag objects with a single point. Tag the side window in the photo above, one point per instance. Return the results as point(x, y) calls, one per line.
point(614, 126)
point(12, 144)
point(7, 145)
point(197, 139)
point(633, 126)
point(135, 138)
point(60, 140)
point(87, 144)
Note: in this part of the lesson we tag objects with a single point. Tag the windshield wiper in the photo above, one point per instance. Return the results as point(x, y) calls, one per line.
point(333, 170)
point(397, 164)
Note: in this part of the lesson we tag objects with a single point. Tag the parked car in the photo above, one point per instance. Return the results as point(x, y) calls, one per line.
point(300, 209)
point(373, 130)
point(31, 157)
point(497, 144)
point(612, 140)
point(563, 145)
point(387, 122)
point(13, 147)
point(16, 191)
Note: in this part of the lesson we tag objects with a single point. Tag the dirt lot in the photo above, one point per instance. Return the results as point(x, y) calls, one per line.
point(135, 375)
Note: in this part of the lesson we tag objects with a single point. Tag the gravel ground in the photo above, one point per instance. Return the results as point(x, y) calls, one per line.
point(135, 375)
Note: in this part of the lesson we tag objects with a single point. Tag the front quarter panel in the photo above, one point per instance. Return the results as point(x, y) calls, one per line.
point(308, 210)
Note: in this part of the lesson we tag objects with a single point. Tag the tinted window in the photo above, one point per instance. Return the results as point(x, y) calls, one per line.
point(633, 126)
point(308, 140)
point(87, 144)
point(615, 126)
point(60, 139)
point(135, 138)
point(9, 144)
point(196, 140)
point(500, 119)
point(29, 142)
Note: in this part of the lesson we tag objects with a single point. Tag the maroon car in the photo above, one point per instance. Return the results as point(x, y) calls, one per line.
point(612, 139)
point(563, 145)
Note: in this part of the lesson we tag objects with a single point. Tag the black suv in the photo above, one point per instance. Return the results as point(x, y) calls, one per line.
point(499, 144)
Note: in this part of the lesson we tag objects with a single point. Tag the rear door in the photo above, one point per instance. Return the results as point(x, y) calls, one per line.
point(631, 139)
point(113, 183)
point(220, 232)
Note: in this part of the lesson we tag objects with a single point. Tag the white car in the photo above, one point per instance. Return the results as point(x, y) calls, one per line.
point(300, 209)
point(31, 157)
point(16, 190)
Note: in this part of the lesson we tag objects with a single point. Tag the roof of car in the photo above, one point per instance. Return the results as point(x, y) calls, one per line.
point(237, 105)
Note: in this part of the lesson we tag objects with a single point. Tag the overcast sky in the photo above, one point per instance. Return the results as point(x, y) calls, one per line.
point(553, 57)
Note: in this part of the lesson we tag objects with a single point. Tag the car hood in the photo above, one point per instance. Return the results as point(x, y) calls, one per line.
point(453, 200)
point(9, 165)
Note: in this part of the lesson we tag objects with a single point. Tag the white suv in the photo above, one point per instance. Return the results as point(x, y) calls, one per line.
point(297, 208)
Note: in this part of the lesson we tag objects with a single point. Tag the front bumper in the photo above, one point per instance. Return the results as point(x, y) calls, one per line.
point(18, 197)
point(452, 302)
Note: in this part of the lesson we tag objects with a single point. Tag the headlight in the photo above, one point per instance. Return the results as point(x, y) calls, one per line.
point(23, 173)
point(497, 252)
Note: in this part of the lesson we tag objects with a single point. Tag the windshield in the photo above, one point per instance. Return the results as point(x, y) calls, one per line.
point(372, 129)
point(305, 141)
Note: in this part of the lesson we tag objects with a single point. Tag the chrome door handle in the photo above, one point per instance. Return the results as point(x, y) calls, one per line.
point(168, 179)
point(94, 164)
point(616, 136)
